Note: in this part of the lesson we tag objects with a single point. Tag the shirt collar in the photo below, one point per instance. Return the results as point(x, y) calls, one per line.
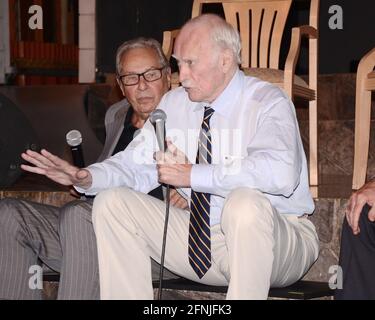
point(226, 101)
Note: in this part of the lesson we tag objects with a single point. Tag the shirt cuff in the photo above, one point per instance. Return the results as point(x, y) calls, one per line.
point(97, 176)
point(202, 177)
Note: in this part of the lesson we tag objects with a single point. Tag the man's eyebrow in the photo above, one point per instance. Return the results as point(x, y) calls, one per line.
point(148, 69)
point(183, 60)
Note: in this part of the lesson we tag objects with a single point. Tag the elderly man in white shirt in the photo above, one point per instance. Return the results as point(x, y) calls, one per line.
point(235, 153)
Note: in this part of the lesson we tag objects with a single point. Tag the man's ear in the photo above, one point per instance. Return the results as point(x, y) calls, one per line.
point(227, 60)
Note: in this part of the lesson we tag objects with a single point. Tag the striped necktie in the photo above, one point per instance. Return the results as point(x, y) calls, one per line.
point(199, 228)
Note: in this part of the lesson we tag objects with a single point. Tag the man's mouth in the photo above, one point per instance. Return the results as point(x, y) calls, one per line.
point(144, 99)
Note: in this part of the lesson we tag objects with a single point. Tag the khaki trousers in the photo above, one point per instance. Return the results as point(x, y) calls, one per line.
point(253, 248)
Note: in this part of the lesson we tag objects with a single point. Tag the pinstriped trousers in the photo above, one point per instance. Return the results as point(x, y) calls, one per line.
point(253, 248)
point(60, 238)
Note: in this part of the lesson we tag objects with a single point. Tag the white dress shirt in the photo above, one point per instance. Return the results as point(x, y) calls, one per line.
point(255, 143)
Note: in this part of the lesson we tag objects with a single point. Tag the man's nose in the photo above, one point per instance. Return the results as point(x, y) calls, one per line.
point(183, 73)
point(142, 84)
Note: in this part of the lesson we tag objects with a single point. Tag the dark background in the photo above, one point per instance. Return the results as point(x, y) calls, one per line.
point(340, 50)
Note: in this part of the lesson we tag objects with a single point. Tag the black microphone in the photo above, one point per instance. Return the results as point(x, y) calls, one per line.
point(74, 140)
point(158, 118)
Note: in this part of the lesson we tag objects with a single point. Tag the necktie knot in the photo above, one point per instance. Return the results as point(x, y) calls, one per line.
point(208, 112)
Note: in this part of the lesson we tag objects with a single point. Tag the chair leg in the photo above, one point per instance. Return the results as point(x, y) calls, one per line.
point(313, 145)
point(361, 136)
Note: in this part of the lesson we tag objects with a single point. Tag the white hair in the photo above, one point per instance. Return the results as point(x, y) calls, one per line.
point(227, 37)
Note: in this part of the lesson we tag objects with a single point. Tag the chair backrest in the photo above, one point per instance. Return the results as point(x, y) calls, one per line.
point(261, 25)
point(169, 38)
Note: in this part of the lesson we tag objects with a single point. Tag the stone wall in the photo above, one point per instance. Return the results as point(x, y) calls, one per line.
point(327, 218)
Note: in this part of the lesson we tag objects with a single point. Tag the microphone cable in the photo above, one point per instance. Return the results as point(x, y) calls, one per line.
point(157, 118)
point(161, 273)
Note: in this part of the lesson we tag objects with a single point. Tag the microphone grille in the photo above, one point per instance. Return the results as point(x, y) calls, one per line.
point(157, 115)
point(74, 138)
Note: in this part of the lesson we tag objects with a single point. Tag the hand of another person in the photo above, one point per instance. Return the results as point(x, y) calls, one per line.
point(177, 200)
point(173, 166)
point(365, 195)
point(56, 169)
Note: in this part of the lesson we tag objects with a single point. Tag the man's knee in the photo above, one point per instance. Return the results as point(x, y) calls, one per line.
point(75, 211)
point(246, 206)
point(10, 210)
point(107, 200)
point(366, 235)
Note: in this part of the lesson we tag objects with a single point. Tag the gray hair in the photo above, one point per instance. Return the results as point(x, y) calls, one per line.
point(223, 34)
point(140, 43)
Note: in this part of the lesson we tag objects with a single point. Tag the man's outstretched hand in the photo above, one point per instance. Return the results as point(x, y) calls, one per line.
point(56, 169)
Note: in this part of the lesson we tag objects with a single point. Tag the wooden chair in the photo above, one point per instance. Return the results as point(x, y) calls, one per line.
point(365, 85)
point(261, 25)
point(168, 42)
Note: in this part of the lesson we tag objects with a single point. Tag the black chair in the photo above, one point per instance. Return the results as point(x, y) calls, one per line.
point(301, 290)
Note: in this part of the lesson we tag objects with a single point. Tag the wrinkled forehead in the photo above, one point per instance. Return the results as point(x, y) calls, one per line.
point(139, 59)
point(192, 41)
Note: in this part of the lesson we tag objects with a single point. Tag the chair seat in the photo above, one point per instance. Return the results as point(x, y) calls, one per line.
point(301, 290)
point(276, 76)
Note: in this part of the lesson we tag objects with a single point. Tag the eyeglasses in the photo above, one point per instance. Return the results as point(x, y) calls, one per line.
point(133, 78)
